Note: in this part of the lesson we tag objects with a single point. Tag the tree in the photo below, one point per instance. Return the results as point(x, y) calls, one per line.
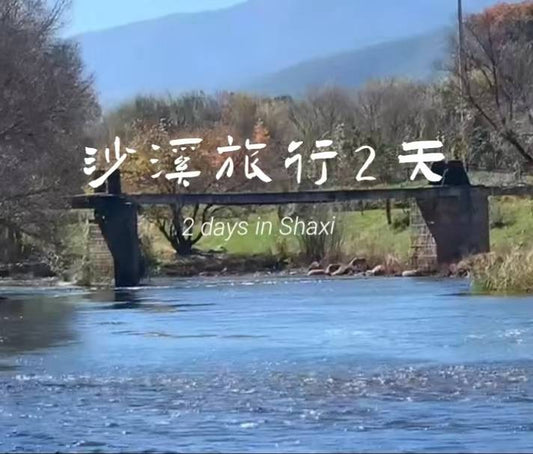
point(323, 114)
point(498, 63)
point(170, 220)
point(153, 121)
point(390, 112)
point(46, 104)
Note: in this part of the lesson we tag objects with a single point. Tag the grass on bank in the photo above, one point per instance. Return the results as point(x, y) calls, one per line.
point(509, 267)
point(510, 273)
point(511, 221)
point(363, 233)
point(366, 233)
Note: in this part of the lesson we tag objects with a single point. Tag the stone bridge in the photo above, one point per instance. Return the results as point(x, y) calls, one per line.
point(457, 217)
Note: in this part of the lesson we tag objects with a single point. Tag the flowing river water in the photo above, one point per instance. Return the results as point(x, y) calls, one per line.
point(270, 364)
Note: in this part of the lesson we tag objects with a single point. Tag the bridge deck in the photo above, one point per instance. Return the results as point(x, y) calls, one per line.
point(314, 197)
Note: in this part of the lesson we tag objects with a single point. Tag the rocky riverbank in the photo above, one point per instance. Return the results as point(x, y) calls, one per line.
point(226, 264)
point(222, 264)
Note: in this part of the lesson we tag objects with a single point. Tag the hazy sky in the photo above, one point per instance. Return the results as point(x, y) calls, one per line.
point(88, 15)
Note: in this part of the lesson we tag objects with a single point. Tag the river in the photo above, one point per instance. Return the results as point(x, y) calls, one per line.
point(270, 364)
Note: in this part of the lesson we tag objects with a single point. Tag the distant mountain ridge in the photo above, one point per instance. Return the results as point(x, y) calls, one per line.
point(420, 57)
point(236, 47)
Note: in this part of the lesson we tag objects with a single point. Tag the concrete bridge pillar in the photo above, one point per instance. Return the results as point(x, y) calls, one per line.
point(459, 224)
point(117, 219)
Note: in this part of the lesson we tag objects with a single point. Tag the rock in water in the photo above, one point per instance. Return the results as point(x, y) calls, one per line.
point(332, 268)
point(377, 271)
point(359, 264)
point(343, 271)
point(314, 266)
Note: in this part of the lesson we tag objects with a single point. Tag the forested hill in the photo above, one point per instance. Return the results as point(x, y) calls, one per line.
point(420, 57)
point(236, 47)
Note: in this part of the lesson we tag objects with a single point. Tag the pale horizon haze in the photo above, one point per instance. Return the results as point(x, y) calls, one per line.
point(93, 15)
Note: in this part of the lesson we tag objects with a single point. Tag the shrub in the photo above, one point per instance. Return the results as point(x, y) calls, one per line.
point(323, 246)
point(151, 262)
point(401, 221)
point(511, 272)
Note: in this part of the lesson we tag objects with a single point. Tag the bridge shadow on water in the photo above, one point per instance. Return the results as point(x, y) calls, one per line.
point(140, 299)
point(125, 299)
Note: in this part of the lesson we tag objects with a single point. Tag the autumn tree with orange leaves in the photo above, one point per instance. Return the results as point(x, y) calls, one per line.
point(150, 135)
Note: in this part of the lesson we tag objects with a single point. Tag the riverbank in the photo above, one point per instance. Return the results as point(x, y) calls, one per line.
point(364, 236)
point(488, 274)
point(223, 264)
point(230, 265)
point(367, 235)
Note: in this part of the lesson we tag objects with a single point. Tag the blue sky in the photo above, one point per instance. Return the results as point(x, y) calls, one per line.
point(89, 15)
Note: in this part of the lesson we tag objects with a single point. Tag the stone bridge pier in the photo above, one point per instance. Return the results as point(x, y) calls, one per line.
point(117, 219)
point(458, 224)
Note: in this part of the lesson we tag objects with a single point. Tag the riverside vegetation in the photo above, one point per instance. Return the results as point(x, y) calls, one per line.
point(363, 233)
